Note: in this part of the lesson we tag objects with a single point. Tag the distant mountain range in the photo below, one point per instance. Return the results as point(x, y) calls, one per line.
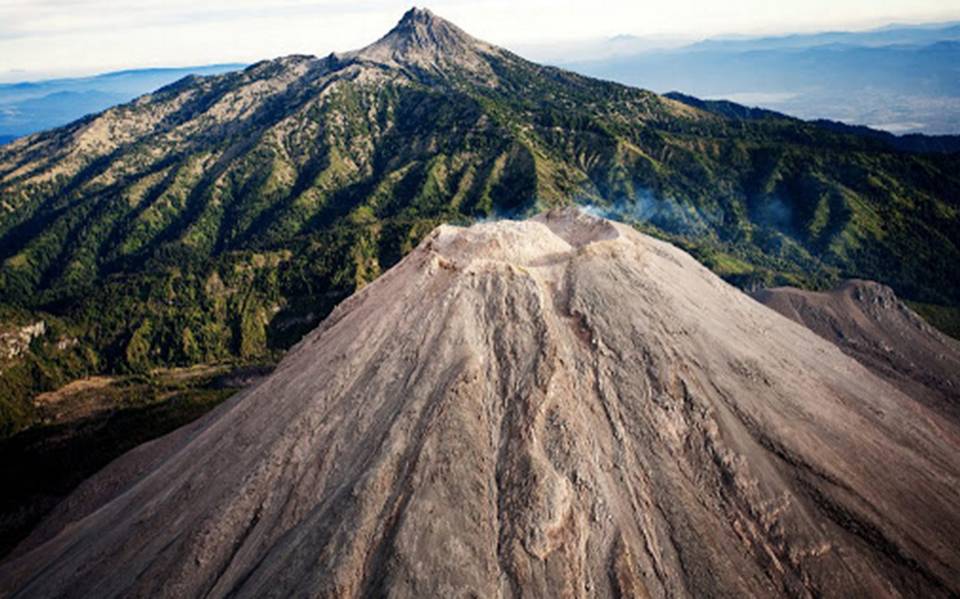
point(899, 79)
point(890, 35)
point(35, 106)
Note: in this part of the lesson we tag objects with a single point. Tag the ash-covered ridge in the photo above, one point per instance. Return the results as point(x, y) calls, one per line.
point(554, 407)
point(868, 322)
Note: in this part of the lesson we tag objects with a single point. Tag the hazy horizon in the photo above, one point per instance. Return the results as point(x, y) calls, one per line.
point(44, 39)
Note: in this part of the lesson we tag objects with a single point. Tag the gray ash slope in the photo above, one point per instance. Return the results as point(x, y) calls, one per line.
point(555, 407)
point(868, 322)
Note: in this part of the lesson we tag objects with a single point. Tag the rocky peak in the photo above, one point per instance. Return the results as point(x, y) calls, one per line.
point(429, 43)
point(421, 30)
point(423, 17)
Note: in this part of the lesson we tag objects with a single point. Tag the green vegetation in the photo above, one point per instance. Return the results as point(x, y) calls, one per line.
point(44, 362)
point(945, 318)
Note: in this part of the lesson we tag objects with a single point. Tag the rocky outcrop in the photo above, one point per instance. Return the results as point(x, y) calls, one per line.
point(15, 343)
point(554, 407)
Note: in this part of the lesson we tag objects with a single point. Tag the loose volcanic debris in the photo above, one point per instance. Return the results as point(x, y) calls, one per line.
point(867, 321)
point(559, 407)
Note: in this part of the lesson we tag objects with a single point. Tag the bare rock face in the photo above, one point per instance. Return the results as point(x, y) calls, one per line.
point(425, 42)
point(560, 407)
point(867, 321)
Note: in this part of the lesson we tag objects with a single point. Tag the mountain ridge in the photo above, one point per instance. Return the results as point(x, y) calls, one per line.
point(870, 324)
point(910, 142)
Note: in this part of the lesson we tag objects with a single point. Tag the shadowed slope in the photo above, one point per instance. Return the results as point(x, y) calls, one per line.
point(554, 407)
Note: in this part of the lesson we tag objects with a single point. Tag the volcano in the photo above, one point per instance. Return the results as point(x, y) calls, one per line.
point(557, 407)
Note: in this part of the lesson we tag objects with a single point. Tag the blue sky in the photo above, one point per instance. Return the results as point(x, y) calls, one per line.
point(40, 38)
